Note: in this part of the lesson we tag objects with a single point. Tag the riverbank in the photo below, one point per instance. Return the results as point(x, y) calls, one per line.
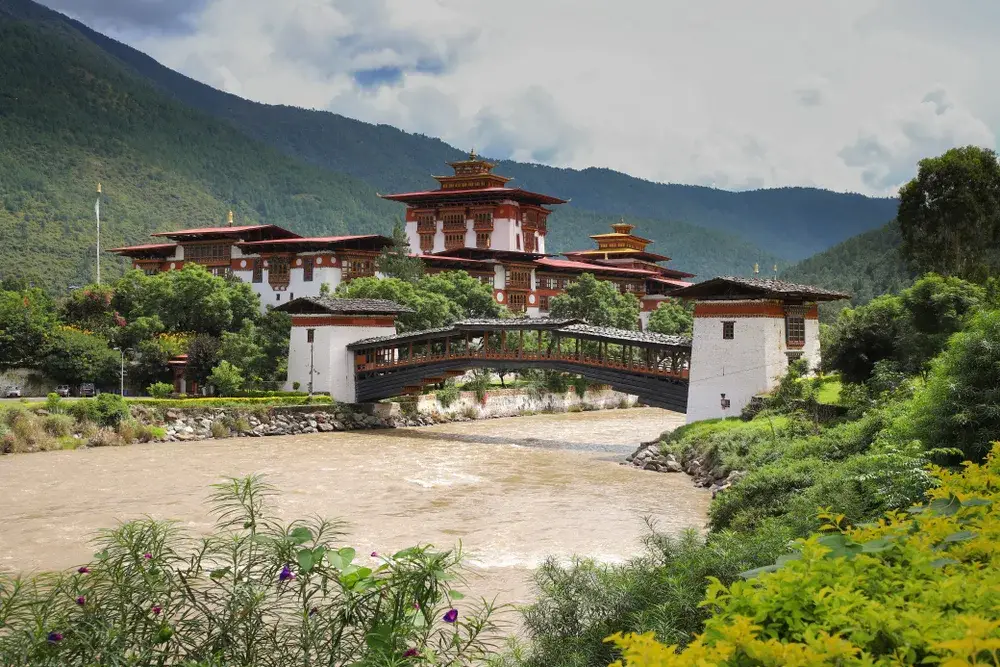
point(513, 491)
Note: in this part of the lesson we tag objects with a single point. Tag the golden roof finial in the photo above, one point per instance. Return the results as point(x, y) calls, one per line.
point(98, 187)
point(229, 219)
point(472, 153)
point(756, 268)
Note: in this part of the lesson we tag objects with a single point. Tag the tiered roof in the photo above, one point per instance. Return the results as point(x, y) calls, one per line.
point(735, 288)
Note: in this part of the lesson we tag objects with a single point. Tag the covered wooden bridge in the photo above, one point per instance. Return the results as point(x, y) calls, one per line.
point(652, 366)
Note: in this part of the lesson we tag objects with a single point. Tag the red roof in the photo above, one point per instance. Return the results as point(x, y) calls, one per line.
point(462, 260)
point(674, 283)
point(226, 231)
point(510, 193)
point(583, 266)
point(148, 246)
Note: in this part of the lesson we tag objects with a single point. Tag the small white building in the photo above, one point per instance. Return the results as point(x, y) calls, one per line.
point(746, 332)
point(322, 328)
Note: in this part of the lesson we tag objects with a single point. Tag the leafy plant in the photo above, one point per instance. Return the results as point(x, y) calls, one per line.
point(447, 395)
point(160, 390)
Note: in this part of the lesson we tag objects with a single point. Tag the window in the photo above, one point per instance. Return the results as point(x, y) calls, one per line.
point(518, 279)
point(728, 330)
point(454, 241)
point(795, 330)
point(543, 303)
point(277, 297)
point(258, 270)
point(482, 239)
point(278, 270)
point(518, 241)
point(529, 243)
point(307, 269)
point(516, 301)
point(426, 223)
point(206, 253)
point(427, 242)
point(310, 335)
point(485, 278)
point(357, 267)
point(454, 221)
point(483, 221)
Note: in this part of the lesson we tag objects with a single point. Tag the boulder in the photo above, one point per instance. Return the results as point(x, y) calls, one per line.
point(673, 466)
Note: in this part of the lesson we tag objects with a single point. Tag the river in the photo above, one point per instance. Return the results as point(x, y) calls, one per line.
point(513, 491)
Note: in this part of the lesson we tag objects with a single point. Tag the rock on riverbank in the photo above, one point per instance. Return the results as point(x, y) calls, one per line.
point(650, 457)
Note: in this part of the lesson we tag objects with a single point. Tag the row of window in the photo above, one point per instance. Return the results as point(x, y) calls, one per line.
point(208, 252)
point(795, 330)
point(279, 270)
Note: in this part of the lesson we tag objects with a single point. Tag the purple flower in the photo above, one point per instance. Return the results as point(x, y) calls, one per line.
point(313, 611)
point(81, 600)
point(451, 616)
point(83, 570)
point(411, 653)
point(416, 605)
point(286, 574)
point(374, 554)
point(148, 556)
point(156, 610)
point(55, 637)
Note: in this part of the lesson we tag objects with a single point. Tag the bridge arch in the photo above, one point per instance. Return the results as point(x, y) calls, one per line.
point(652, 366)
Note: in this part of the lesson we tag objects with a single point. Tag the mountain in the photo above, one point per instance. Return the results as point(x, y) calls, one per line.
point(77, 108)
point(790, 222)
point(866, 266)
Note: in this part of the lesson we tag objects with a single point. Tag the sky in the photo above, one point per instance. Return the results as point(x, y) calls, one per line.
point(726, 93)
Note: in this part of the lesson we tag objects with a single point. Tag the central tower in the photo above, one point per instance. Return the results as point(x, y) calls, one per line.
point(474, 208)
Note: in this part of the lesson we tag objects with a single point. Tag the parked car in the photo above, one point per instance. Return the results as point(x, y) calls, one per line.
point(63, 390)
point(87, 389)
point(12, 392)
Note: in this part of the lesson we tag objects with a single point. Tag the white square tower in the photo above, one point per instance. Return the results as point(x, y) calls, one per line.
point(746, 332)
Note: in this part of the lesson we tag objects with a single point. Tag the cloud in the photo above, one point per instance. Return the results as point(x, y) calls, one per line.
point(721, 92)
point(887, 152)
point(132, 15)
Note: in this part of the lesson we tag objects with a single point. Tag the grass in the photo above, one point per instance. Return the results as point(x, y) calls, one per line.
point(828, 390)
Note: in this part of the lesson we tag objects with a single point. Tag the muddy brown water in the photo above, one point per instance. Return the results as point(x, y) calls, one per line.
point(513, 491)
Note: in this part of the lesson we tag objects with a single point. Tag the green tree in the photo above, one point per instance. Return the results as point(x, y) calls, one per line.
point(27, 319)
point(397, 260)
point(949, 215)
point(960, 406)
point(672, 317)
point(138, 330)
point(863, 336)
point(73, 357)
point(597, 302)
point(430, 310)
point(226, 378)
point(243, 349)
point(474, 297)
point(203, 355)
point(152, 356)
point(936, 307)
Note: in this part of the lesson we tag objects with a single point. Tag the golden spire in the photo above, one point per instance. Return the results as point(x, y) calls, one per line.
point(472, 153)
point(98, 187)
point(229, 219)
point(756, 268)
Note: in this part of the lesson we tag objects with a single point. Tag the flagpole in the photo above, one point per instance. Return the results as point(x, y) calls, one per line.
point(97, 212)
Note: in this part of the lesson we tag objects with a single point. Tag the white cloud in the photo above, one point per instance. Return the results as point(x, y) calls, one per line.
point(722, 92)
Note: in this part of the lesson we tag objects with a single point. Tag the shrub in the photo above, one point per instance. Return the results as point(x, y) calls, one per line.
point(263, 404)
point(226, 378)
point(257, 592)
point(105, 437)
point(220, 430)
point(59, 426)
point(917, 587)
point(26, 432)
point(296, 385)
point(448, 395)
point(470, 412)
point(580, 385)
point(105, 410)
point(128, 431)
point(54, 403)
point(160, 390)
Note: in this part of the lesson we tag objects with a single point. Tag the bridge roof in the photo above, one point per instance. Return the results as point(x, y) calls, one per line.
point(625, 336)
point(568, 327)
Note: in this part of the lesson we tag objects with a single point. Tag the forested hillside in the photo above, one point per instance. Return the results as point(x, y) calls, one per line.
point(790, 222)
point(866, 266)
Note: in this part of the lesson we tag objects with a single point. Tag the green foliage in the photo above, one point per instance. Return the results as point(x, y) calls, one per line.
point(447, 395)
point(105, 410)
point(230, 402)
point(226, 378)
point(916, 587)
point(910, 329)
point(256, 592)
point(431, 309)
point(73, 357)
point(203, 355)
point(397, 260)
point(580, 386)
point(580, 604)
point(598, 302)
point(160, 389)
point(27, 318)
point(949, 215)
point(673, 317)
point(54, 404)
point(59, 426)
point(960, 405)
point(474, 298)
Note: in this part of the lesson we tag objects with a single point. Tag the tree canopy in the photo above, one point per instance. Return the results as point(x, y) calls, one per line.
point(672, 317)
point(597, 302)
point(949, 215)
